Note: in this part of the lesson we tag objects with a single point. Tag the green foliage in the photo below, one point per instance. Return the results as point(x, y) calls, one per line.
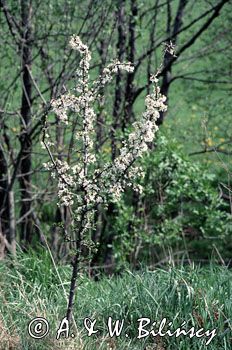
point(178, 209)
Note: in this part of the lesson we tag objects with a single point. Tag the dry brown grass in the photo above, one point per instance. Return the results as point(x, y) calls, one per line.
point(159, 345)
point(9, 340)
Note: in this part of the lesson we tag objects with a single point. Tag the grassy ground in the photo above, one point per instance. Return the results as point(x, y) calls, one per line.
point(31, 287)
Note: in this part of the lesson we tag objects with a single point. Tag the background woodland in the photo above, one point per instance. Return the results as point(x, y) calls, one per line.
point(184, 212)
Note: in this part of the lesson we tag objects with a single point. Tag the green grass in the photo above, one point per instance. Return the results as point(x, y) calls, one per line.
point(30, 287)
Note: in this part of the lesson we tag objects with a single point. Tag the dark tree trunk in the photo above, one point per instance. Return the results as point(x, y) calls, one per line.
point(167, 76)
point(121, 47)
point(7, 211)
point(4, 210)
point(26, 231)
point(152, 41)
point(129, 92)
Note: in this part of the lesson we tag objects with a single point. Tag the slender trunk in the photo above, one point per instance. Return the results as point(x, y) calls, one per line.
point(12, 223)
point(152, 41)
point(129, 92)
point(118, 84)
point(4, 209)
point(73, 285)
point(76, 265)
point(25, 139)
point(7, 210)
point(168, 56)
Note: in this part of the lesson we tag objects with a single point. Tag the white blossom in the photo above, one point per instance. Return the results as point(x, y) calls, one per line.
point(87, 180)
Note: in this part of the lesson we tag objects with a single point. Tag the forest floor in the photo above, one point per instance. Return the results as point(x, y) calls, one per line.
point(193, 298)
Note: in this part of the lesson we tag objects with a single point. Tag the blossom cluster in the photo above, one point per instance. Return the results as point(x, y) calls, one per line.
point(83, 181)
point(113, 68)
point(122, 171)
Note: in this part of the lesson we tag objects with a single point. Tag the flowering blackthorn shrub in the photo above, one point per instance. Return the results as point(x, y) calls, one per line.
point(85, 180)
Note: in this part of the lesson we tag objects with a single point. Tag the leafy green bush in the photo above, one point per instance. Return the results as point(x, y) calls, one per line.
point(178, 210)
